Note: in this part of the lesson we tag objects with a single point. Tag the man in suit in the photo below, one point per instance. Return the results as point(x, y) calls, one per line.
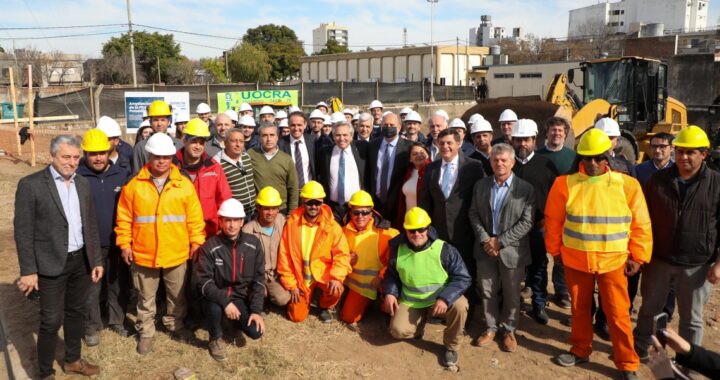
point(388, 157)
point(446, 194)
point(341, 168)
point(502, 216)
point(301, 147)
point(57, 241)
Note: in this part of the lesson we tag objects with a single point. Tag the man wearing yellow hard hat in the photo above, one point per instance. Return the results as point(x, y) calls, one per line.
point(368, 236)
point(426, 277)
point(106, 180)
point(598, 225)
point(685, 210)
point(313, 254)
point(159, 114)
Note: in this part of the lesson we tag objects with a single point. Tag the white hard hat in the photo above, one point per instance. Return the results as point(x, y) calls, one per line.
point(481, 125)
point(316, 114)
point(473, 118)
point(245, 107)
point(283, 123)
point(231, 208)
point(356, 116)
point(202, 108)
point(609, 126)
point(322, 104)
point(525, 128)
point(443, 114)
point(375, 104)
point(348, 111)
point(232, 115)
point(413, 116)
point(457, 123)
point(337, 117)
point(294, 109)
point(145, 123)
point(160, 144)
point(181, 118)
point(267, 110)
point(109, 126)
point(281, 114)
point(145, 113)
point(247, 120)
point(508, 115)
point(327, 120)
point(405, 111)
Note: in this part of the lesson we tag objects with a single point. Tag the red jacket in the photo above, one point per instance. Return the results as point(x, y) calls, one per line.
point(211, 186)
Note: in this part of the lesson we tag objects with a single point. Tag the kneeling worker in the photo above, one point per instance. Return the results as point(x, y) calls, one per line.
point(231, 274)
point(425, 277)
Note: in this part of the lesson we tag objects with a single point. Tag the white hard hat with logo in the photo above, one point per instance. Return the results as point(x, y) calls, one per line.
point(375, 104)
point(413, 116)
point(232, 115)
point(267, 110)
point(481, 125)
point(202, 108)
point(525, 128)
point(609, 126)
point(160, 144)
point(247, 120)
point(457, 123)
point(316, 114)
point(109, 126)
point(508, 115)
point(231, 208)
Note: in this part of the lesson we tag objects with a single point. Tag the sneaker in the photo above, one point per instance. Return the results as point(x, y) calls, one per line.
point(562, 302)
point(540, 316)
point(217, 350)
point(630, 375)
point(325, 316)
point(602, 331)
point(568, 359)
point(485, 339)
point(145, 346)
point(92, 340)
point(450, 358)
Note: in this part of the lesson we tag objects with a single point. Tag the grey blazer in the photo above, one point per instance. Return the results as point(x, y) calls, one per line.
point(41, 229)
point(516, 221)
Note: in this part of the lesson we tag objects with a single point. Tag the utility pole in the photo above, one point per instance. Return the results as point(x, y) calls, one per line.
point(432, 53)
point(158, 68)
point(132, 45)
point(227, 67)
point(457, 59)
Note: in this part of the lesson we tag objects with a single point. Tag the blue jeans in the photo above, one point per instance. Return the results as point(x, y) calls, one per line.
point(537, 275)
point(214, 314)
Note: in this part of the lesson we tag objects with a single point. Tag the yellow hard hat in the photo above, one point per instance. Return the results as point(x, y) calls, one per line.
point(692, 137)
point(95, 140)
point(268, 197)
point(416, 218)
point(312, 190)
point(159, 108)
point(361, 199)
point(196, 127)
point(593, 142)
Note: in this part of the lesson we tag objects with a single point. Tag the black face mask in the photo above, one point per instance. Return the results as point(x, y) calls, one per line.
point(389, 132)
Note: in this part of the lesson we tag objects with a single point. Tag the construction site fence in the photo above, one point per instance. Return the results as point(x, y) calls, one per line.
point(90, 103)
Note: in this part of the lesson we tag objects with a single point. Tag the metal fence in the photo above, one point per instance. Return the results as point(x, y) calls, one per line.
point(111, 100)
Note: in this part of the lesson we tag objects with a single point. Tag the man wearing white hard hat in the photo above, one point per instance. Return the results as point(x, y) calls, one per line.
point(348, 114)
point(404, 112)
point(203, 113)
point(159, 114)
point(245, 110)
point(376, 110)
point(247, 124)
point(618, 162)
point(284, 127)
point(267, 114)
point(280, 115)
point(325, 139)
point(467, 147)
point(540, 173)
point(411, 127)
point(233, 117)
point(481, 133)
point(316, 121)
point(121, 152)
point(180, 122)
point(231, 274)
point(507, 121)
point(322, 107)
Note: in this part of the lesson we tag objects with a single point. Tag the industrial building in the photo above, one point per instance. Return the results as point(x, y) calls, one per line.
point(487, 35)
point(326, 32)
point(453, 65)
point(528, 79)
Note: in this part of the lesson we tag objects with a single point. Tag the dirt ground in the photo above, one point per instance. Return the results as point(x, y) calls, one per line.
point(306, 350)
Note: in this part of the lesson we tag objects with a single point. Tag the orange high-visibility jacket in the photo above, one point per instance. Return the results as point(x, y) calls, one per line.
point(330, 256)
point(159, 227)
point(600, 214)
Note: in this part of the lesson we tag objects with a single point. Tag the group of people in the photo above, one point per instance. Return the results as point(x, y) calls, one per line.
point(233, 214)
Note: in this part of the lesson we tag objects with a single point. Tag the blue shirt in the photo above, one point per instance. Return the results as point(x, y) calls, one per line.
point(71, 207)
point(392, 147)
point(645, 170)
point(497, 198)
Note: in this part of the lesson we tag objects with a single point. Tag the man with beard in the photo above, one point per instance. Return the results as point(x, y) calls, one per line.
point(247, 124)
point(481, 133)
point(411, 124)
point(507, 121)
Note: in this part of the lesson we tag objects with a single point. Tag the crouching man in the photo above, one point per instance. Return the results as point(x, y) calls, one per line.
point(231, 274)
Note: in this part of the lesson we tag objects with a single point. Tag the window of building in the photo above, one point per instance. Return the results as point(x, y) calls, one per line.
point(530, 75)
point(504, 75)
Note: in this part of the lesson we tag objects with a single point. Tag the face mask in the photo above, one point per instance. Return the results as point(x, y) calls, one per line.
point(389, 132)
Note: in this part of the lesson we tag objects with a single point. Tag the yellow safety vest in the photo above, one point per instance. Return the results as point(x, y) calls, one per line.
point(597, 216)
point(366, 245)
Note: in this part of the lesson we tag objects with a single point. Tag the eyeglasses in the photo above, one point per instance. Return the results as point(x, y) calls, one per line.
point(598, 158)
point(361, 212)
point(418, 230)
point(313, 203)
point(661, 146)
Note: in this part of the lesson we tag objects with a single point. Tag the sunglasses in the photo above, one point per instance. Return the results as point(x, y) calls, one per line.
point(361, 212)
point(598, 158)
point(418, 230)
point(313, 203)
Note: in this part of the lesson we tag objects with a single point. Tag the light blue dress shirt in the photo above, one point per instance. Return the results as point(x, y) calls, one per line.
point(71, 206)
point(497, 198)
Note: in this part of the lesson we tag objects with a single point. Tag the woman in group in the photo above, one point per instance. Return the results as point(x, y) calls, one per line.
point(419, 158)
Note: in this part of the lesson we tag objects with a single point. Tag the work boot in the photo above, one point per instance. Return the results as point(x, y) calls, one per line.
point(144, 346)
point(450, 358)
point(509, 344)
point(92, 340)
point(485, 339)
point(568, 359)
point(325, 316)
point(217, 350)
point(642, 352)
point(539, 315)
point(602, 331)
point(81, 367)
point(629, 375)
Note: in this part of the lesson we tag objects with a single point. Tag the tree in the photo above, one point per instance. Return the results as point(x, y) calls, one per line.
point(333, 47)
point(148, 48)
point(249, 63)
point(2, 50)
point(281, 45)
point(177, 71)
point(216, 68)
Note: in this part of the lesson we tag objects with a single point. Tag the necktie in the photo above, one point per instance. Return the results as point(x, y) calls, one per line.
point(341, 178)
point(446, 180)
point(299, 164)
point(384, 172)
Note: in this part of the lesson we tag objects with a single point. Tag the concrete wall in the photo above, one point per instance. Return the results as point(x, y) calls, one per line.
point(692, 79)
point(528, 86)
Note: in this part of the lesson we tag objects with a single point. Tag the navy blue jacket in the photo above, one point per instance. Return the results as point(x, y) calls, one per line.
point(105, 188)
point(459, 279)
point(645, 170)
point(125, 150)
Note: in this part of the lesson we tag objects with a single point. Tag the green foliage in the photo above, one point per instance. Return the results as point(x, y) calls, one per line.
point(281, 45)
point(332, 47)
point(249, 63)
point(177, 71)
point(2, 50)
point(148, 48)
point(216, 68)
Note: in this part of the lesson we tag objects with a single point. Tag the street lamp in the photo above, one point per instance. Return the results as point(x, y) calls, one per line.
point(432, 53)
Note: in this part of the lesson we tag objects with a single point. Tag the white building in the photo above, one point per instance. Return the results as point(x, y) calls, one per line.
point(487, 35)
point(625, 16)
point(326, 32)
point(531, 79)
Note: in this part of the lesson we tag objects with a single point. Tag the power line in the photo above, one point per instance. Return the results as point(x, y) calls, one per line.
point(61, 36)
point(59, 27)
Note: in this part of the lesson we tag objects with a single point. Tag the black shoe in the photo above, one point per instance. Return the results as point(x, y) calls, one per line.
point(539, 315)
point(568, 359)
point(120, 330)
point(92, 340)
point(642, 353)
point(450, 358)
point(325, 316)
point(602, 331)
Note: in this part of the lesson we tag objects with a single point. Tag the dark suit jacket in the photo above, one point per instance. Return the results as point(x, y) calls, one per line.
point(284, 146)
point(389, 208)
point(41, 228)
point(516, 221)
point(359, 151)
point(450, 216)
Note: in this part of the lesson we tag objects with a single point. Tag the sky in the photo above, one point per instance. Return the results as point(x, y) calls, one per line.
point(375, 23)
